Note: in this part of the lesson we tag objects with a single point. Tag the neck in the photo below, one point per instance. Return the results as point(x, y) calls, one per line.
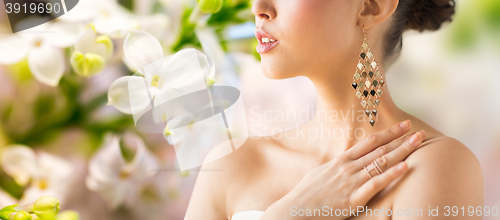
point(340, 120)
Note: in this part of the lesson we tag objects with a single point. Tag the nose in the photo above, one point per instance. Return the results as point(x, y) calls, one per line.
point(263, 9)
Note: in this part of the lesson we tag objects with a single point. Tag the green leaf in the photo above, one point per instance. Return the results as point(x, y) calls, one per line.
point(491, 12)
point(6, 211)
point(186, 35)
point(210, 6)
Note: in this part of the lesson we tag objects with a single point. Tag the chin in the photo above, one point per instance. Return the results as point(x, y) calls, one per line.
point(274, 71)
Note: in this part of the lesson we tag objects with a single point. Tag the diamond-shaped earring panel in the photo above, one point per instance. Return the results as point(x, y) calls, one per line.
point(368, 79)
point(368, 83)
point(357, 75)
point(365, 46)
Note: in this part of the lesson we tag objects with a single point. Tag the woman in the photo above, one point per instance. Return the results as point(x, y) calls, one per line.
point(403, 165)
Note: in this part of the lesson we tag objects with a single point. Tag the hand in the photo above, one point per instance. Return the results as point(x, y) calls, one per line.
point(343, 183)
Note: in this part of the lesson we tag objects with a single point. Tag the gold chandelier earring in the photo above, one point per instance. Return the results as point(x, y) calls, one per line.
point(368, 81)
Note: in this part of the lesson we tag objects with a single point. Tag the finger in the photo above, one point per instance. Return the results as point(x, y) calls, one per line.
point(404, 150)
point(366, 191)
point(380, 151)
point(378, 139)
point(384, 162)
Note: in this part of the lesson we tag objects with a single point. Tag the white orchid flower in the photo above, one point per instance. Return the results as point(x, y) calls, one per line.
point(108, 16)
point(111, 19)
point(210, 43)
point(207, 136)
point(91, 52)
point(155, 24)
point(176, 91)
point(113, 177)
point(157, 197)
point(19, 162)
point(83, 12)
point(53, 178)
point(49, 175)
point(190, 151)
point(159, 79)
point(43, 50)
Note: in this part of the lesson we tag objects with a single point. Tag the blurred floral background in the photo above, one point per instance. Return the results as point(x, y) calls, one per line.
point(64, 133)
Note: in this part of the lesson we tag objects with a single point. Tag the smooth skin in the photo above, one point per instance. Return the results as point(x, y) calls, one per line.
point(321, 39)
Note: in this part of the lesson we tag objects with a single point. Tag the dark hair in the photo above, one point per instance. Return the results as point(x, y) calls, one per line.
point(418, 15)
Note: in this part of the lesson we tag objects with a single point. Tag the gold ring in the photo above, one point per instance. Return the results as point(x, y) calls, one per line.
point(373, 166)
point(377, 167)
point(368, 172)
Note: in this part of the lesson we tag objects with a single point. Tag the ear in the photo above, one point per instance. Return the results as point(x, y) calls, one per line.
point(374, 12)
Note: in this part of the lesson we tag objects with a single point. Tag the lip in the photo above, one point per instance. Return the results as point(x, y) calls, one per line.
point(264, 47)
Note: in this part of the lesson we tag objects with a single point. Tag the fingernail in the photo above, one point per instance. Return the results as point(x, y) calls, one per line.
point(405, 124)
point(401, 166)
point(414, 138)
point(424, 134)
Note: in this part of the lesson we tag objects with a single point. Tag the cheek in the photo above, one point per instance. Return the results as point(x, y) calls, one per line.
point(312, 34)
point(318, 29)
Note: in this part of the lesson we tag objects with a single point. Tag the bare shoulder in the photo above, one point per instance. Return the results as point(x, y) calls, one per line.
point(444, 150)
point(445, 157)
point(442, 160)
point(442, 172)
point(219, 174)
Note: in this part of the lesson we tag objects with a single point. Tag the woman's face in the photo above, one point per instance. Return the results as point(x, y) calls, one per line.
point(314, 36)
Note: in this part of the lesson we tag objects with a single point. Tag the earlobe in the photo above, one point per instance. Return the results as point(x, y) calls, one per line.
point(376, 11)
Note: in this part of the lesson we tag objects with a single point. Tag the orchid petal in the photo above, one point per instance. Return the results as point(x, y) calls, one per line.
point(31, 194)
point(19, 162)
point(177, 122)
point(65, 35)
point(156, 24)
point(183, 72)
point(46, 64)
point(175, 76)
point(144, 164)
point(129, 65)
point(143, 7)
point(116, 26)
point(106, 165)
point(161, 114)
point(141, 49)
point(112, 177)
point(211, 46)
point(86, 41)
point(84, 11)
point(118, 94)
point(199, 139)
point(54, 169)
point(140, 97)
point(14, 49)
point(115, 194)
point(55, 174)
